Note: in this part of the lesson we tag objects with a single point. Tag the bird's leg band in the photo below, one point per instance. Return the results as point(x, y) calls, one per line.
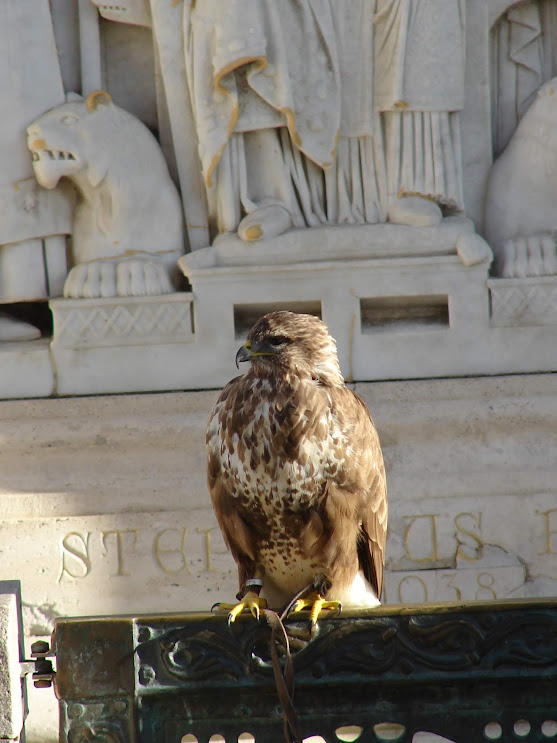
point(253, 585)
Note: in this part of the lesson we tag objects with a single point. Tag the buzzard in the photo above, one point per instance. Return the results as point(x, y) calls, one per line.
point(296, 474)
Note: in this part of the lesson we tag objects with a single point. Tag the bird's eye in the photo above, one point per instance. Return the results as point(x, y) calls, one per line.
point(277, 340)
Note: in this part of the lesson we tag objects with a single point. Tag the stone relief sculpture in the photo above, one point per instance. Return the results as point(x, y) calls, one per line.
point(283, 107)
point(33, 222)
point(419, 81)
point(523, 56)
point(521, 197)
point(302, 132)
point(127, 227)
point(520, 220)
point(387, 75)
point(521, 206)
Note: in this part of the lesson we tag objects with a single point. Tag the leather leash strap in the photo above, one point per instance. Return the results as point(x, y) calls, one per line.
point(284, 679)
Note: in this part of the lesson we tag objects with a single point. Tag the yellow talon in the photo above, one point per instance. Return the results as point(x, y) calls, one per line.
point(316, 604)
point(250, 602)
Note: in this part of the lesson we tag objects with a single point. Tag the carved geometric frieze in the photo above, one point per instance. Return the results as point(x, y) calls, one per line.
point(523, 302)
point(122, 321)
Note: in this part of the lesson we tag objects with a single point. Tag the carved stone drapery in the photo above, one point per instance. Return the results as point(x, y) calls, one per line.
point(523, 55)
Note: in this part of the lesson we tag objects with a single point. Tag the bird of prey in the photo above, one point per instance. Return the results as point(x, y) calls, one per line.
point(296, 474)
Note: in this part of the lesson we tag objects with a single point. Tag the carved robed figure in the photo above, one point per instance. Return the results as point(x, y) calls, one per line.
point(282, 98)
point(419, 81)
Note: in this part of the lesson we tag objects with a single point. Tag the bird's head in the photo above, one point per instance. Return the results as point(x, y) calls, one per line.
point(283, 343)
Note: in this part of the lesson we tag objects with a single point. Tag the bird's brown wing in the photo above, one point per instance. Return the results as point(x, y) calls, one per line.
point(238, 536)
point(360, 485)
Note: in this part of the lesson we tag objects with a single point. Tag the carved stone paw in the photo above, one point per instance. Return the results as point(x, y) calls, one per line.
point(128, 278)
point(535, 255)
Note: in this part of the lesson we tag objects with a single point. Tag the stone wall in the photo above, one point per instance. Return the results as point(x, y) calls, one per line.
point(106, 509)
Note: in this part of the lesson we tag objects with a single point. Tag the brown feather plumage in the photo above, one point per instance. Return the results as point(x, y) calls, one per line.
point(295, 469)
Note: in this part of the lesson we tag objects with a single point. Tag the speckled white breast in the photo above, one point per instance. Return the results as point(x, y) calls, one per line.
point(278, 480)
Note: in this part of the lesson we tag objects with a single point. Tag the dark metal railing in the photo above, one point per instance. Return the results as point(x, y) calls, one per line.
point(469, 672)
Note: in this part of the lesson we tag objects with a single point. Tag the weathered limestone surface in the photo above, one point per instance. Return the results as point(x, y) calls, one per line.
point(108, 494)
point(11, 702)
point(106, 510)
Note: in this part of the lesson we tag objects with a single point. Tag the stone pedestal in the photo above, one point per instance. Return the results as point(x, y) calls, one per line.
point(26, 369)
point(400, 301)
point(392, 318)
point(524, 303)
point(121, 344)
point(397, 313)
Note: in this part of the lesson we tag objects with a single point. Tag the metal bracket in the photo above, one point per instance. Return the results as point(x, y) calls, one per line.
point(41, 669)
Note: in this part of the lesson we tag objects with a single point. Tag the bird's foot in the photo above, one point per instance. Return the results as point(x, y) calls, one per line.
point(316, 604)
point(250, 602)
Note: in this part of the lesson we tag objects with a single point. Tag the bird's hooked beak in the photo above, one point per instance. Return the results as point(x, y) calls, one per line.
point(244, 354)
